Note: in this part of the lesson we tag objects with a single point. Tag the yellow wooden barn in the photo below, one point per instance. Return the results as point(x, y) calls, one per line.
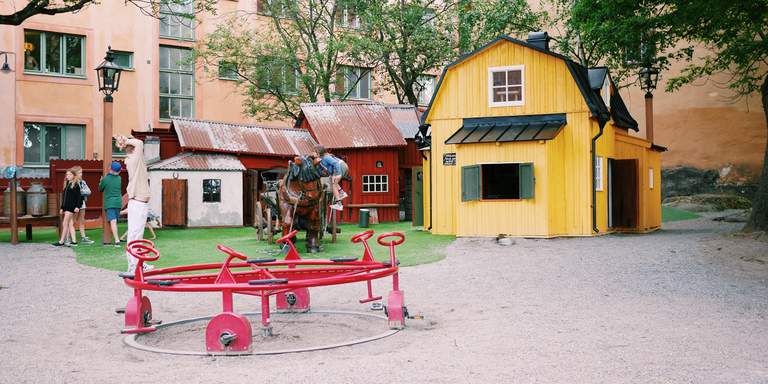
point(509, 138)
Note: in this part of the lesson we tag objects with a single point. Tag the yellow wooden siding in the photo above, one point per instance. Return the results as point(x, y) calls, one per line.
point(605, 148)
point(570, 183)
point(549, 86)
point(649, 204)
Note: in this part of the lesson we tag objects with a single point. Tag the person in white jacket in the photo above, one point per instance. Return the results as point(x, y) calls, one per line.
point(137, 190)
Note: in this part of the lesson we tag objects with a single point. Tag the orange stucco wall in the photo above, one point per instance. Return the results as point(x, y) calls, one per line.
point(37, 98)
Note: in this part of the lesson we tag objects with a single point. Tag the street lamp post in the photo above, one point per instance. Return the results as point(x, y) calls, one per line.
point(108, 74)
point(649, 77)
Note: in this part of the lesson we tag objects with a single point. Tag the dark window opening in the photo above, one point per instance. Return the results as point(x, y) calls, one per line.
point(212, 190)
point(501, 181)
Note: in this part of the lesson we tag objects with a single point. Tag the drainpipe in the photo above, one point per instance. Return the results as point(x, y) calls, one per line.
point(594, 185)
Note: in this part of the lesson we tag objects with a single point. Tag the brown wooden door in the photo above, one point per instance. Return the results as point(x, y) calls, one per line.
point(175, 202)
point(250, 196)
point(624, 193)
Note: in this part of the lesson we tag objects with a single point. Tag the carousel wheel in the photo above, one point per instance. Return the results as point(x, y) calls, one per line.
point(228, 332)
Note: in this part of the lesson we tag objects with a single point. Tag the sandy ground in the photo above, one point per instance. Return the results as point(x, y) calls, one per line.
point(688, 304)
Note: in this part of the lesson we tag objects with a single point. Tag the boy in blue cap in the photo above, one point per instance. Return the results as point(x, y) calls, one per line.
point(111, 185)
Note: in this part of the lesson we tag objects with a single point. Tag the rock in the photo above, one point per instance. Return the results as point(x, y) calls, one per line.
point(684, 181)
point(708, 202)
point(505, 241)
point(734, 217)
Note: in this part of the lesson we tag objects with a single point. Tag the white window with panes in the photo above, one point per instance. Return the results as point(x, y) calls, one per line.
point(124, 59)
point(506, 86)
point(177, 20)
point(425, 88)
point(375, 183)
point(347, 17)
point(276, 76)
point(45, 142)
point(54, 53)
point(177, 83)
point(353, 82)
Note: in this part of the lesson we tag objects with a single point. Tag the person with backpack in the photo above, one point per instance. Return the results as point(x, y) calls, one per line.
point(110, 185)
point(80, 216)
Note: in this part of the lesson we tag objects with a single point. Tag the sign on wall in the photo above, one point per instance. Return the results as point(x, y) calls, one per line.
point(449, 158)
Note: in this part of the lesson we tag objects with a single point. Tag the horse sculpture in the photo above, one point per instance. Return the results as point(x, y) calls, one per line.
point(300, 192)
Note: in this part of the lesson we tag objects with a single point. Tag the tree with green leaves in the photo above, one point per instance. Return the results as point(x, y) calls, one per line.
point(658, 32)
point(48, 7)
point(407, 40)
point(297, 58)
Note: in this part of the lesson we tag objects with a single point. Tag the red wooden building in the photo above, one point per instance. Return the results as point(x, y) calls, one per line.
point(364, 135)
point(406, 119)
point(261, 149)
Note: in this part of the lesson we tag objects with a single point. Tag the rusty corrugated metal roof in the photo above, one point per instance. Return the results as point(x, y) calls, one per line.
point(406, 119)
point(242, 138)
point(352, 125)
point(199, 162)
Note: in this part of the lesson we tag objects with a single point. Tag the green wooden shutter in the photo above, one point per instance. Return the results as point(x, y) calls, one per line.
point(527, 181)
point(470, 183)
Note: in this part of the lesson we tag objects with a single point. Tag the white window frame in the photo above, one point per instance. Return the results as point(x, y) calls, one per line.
point(176, 18)
point(370, 181)
point(491, 71)
point(343, 17)
point(431, 80)
point(188, 71)
point(599, 166)
point(129, 55)
point(650, 178)
point(358, 71)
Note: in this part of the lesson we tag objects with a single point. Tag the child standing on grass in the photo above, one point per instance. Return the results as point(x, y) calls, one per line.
point(110, 185)
point(80, 216)
point(71, 201)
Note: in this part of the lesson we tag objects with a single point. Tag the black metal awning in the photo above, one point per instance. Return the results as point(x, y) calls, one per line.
point(508, 128)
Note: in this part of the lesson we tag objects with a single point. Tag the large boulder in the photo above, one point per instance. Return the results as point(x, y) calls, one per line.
point(686, 181)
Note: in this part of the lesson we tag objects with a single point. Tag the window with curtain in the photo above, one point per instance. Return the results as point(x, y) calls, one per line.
point(54, 53)
point(177, 83)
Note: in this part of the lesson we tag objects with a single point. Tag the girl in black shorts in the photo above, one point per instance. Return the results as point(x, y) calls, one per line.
point(71, 202)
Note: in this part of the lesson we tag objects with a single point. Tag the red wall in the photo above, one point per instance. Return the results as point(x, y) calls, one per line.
point(410, 156)
point(363, 162)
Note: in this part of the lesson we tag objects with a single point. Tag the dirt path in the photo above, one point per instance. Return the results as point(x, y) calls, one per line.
point(682, 305)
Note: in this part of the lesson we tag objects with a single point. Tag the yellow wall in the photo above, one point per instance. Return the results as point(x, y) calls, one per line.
point(562, 204)
point(561, 165)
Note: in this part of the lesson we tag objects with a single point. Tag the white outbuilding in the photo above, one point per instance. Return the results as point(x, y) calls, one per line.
point(198, 190)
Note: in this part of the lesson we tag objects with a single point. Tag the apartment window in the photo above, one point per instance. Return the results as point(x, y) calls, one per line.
point(347, 17)
point(279, 8)
point(43, 142)
point(177, 83)
point(54, 53)
point(211, 190)
point(506, 86)
point(424, 88)
point(227, 71)
point(650, 178)
point(598, 173)
point(177, 20)
point(504, 181)
point(276, 76)
point(353, 82)
point(375, 183)
point(123, 59)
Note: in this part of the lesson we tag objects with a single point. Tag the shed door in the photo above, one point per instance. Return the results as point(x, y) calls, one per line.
point(418, 196)
point(250, 196)
point(624, 193)
point(175, 202)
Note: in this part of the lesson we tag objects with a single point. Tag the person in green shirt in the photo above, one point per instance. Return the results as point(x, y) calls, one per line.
point(111, 185)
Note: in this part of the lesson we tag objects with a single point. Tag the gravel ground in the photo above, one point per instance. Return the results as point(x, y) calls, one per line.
point(688, 304)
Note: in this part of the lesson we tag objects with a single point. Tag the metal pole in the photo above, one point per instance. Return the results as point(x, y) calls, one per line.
point(649, 116)
point(106, 235)
point(14, 211)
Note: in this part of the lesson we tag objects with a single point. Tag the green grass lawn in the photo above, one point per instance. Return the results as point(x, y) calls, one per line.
point(673, 214)
point(194, 246)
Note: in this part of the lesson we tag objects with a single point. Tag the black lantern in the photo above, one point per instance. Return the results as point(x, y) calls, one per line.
point(649, 76)
point(109, 75)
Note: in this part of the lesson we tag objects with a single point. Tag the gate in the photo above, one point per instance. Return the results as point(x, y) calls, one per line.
point(624, 193)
